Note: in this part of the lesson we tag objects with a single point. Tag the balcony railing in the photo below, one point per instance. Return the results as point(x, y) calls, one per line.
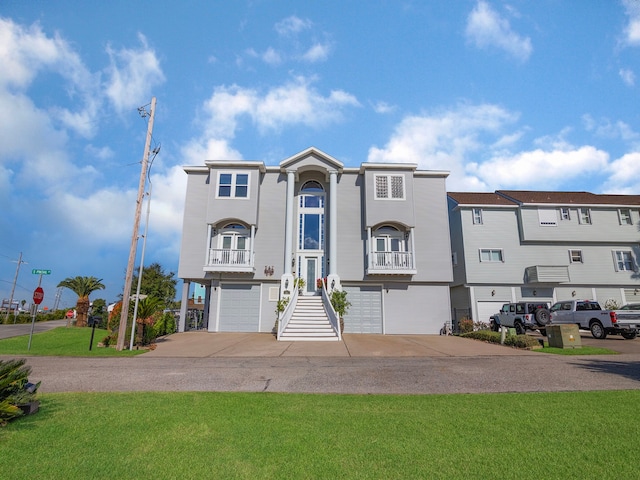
point(392, 263)
point(225, 260)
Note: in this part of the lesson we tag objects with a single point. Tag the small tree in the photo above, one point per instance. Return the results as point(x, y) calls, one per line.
point(83, 287)
point(340, 304)
point(15, 389)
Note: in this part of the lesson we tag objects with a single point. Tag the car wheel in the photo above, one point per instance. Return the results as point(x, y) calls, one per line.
point(598, 331)
point(494, 326)
point(519, 328)
point(629, 335)
point(542, 316)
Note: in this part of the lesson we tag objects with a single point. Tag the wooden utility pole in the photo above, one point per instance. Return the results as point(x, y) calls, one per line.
point(124, 315)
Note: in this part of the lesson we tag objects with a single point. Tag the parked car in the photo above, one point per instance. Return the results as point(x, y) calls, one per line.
point(524, 316)
point(589, 315)
point(631, 306)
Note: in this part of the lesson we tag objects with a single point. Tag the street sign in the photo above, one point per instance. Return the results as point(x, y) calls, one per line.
point(38, 271)
point(38, 295)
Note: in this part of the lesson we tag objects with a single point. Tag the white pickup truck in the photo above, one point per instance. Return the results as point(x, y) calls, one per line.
point(588, 315)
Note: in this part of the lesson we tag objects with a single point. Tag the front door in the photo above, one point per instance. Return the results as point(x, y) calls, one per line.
point(309, 271)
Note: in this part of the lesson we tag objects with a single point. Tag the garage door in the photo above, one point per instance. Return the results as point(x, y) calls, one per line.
point(365, 312)
point(239, 308)
point(487, 309)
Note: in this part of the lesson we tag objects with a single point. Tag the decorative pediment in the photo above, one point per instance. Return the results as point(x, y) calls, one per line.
point(311, 159)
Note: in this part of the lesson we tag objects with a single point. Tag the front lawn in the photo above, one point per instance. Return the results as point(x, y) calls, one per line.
point(62, 341)
point(289, 436)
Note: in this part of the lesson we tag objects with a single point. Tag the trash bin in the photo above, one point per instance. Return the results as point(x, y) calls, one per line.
point(564, 336)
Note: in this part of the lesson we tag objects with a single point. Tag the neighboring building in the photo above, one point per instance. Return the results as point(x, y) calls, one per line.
point(379, 231)
point(509, 246)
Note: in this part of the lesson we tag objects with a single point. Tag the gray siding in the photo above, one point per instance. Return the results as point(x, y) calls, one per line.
point(605, 227)
point(433, 247)
point(382, 210)
point(194, 227)
point(243, 209)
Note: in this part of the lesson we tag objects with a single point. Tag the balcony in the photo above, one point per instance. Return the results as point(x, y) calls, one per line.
point(391, 263)
point(225, 260)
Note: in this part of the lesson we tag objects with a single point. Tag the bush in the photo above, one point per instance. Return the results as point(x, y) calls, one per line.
point(517, 341)
point(165, 325)
point(465, 325)
point(15, 389)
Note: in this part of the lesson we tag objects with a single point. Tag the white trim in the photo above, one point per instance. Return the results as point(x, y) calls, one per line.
point(233, 185)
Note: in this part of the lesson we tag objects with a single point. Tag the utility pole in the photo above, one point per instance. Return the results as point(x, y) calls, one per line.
point(122, 330)
point(13, 288)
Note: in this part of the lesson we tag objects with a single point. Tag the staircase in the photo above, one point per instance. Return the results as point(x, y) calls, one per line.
point(309, 322)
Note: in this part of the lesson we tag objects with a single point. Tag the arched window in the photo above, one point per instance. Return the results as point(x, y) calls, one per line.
point(389, 239)
point(234, 244)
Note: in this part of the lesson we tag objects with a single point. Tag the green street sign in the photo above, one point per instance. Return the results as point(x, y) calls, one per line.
point(37, 271)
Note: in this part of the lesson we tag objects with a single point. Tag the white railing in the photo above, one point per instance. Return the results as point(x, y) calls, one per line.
point(331, 313)
point(219, 256)
point(392, 261)
point(285, 316)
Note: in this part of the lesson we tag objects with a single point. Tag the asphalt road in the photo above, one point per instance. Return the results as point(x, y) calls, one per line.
point(407, 375)
point(14, 330)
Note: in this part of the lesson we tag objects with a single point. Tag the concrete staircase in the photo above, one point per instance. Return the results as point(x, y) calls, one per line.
point(309, 322)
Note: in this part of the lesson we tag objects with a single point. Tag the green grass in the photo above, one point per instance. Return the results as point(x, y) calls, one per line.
point(567, 435)
point(577, 351)
point(62, 341)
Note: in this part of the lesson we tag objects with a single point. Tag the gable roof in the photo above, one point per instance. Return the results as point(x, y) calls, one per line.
point(568, 198)
point(480, 198)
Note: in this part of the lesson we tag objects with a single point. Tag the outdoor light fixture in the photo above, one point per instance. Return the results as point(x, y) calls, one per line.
point(573, 294)
point(535, 292)
point(493, 293)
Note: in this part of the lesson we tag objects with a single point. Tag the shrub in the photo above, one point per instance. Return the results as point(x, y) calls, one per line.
point(15, 389)
point(166, 325)
point(517, 341)
point(465, 325)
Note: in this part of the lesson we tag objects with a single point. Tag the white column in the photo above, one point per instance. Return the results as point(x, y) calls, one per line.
point(333, 279)
point(286, 282)
point(369, 249)
point(414, 265)
point(183, 305)
point(333, 223)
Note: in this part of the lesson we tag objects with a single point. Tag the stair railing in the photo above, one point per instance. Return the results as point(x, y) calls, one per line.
point(285, 316)
point(331, 313)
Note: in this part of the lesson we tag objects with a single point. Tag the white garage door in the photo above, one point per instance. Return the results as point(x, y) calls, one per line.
point(487, 309)
point(239, 308)
point(365, 312)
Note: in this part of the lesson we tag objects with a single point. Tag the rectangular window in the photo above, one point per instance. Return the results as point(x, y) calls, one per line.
point(585, 216)
point(624, 215)
point(547, 217)
point(491, 255)
point(477, 216)
point(565, 213)
point(575, 256)
point(623, 260)
point(389, 187)
point(233, 185)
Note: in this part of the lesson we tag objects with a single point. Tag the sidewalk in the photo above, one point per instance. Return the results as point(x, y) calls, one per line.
point(205, 344)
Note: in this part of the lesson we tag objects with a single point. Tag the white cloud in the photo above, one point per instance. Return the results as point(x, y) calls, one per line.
point(605, 128)
point(539, 169)
point(317, 53)
point(632, 29)
point(292, 25)
point(486, 28)
point(292, 104)
point(482, 152)
point(628, 77)
point(133, 74)
point(272, 57)
point(383, 107)
point(624, 175)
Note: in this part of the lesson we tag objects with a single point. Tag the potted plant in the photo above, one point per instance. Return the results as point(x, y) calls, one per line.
point(17, 394)
point(340, 304)
point(300, 283)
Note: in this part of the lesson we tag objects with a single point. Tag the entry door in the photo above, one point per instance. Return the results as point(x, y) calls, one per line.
point(310, 274)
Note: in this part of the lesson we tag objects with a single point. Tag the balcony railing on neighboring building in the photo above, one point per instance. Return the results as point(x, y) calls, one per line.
point(225, 260)
point(393, 263)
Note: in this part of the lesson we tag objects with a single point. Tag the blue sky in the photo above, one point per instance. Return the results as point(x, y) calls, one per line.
point(539, 95)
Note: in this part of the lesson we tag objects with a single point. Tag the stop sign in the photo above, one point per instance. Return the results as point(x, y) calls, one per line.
point(38, 295)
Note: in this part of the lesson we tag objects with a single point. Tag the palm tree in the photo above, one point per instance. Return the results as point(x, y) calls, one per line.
point(83, 287)
point(147, 307)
